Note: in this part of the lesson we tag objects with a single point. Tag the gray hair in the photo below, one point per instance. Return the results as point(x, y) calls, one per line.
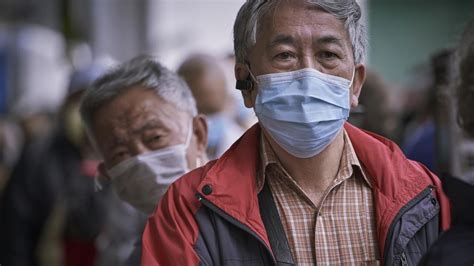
point(253, 11)
point(144, 71)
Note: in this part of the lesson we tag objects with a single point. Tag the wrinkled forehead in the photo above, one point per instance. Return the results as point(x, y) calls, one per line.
point(136, 110)
point(270, 11)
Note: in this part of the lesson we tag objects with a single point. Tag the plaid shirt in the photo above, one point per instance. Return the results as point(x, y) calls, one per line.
point(341, 230)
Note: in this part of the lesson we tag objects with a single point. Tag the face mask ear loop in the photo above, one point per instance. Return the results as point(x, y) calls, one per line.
point(352, 79)
point(189, 134)
point(252, 76)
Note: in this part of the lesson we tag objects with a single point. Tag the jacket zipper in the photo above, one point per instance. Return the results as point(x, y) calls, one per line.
point(233, 221)
point(404, 259)
point(402, 211)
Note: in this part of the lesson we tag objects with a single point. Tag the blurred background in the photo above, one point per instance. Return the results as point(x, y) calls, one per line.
point(407, 97)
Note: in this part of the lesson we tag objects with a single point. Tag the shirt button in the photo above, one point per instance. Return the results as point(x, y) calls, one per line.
point(207, 189)
point(434, 201)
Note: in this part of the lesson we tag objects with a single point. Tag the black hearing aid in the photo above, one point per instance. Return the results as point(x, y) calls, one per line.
point(243, 85)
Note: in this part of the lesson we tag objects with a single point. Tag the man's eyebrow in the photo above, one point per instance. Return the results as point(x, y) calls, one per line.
point(329, 39)
point(152, 124)
point(282, 39)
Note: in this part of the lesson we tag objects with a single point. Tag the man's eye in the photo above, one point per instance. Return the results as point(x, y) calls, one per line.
point(284, 56)
point(328, 55)
point(153, 139)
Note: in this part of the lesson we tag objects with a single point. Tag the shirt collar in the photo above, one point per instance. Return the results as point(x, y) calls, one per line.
point(349, 161)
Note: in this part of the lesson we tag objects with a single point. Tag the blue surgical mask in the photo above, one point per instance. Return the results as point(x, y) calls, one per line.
point(302, 110)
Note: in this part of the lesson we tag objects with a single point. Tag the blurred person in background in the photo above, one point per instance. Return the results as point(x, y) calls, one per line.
point(38, 77)
point(33, 81)
point(4, 169)
point(374, 112)
point(10, 148)
point(11, 135)
point(456, 246)
point(206, 79)
point(418, 138)
point(144, 123)
point(50, 214)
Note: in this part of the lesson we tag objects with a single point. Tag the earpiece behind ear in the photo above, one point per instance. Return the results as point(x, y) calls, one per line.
point(244, 85)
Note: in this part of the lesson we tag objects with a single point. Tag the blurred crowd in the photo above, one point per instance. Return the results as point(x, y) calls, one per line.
point(60, 205)
point(49, 178)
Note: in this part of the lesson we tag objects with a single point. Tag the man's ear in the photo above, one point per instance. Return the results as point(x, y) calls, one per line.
point(242, 73)
point(200, 131)
point(359, 79)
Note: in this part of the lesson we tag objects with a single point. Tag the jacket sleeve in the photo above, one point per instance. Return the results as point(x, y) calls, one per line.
point(171, 232)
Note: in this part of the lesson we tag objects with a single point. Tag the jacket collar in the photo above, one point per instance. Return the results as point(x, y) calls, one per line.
point(233, 182)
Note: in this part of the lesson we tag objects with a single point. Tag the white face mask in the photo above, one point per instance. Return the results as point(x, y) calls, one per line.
point(142, 180)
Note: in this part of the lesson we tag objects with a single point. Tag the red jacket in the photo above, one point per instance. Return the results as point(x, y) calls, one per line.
point(211, 215)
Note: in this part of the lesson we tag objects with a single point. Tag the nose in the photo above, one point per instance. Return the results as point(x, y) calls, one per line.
point(137, 148)
point(309, 61)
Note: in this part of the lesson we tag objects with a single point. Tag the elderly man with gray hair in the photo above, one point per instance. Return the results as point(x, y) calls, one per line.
point(143, 121)
point(302, 187)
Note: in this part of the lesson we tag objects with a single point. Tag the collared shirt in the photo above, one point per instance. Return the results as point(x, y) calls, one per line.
point(341, 230)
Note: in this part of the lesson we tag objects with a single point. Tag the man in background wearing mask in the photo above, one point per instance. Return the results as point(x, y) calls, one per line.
point(303, 186)
point(143, 121)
